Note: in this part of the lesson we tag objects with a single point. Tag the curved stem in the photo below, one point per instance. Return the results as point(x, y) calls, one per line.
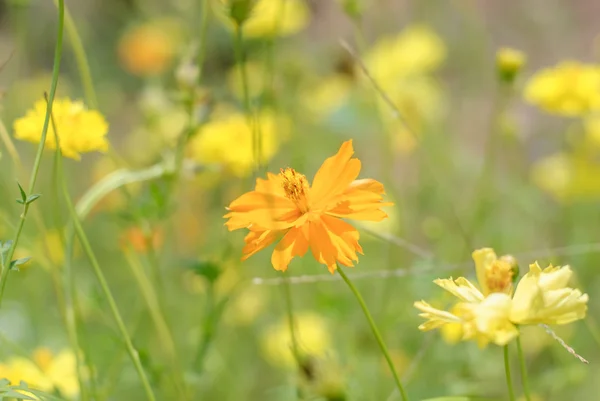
point(376, 333)
point(524, 378)
point(252, 122)
point(81, 59)
point(38, 157)
point(511, 392)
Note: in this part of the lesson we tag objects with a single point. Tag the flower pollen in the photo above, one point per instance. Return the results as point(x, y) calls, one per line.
point(499, 276)
point(295, 187)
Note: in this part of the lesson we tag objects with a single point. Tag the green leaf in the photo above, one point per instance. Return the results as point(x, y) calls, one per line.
point(206, 269)
point(5, 246)
point(23, 194)
point(32, 198)
point(14, 265)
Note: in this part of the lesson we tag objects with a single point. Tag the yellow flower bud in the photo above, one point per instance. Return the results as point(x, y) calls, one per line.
point(509, 62)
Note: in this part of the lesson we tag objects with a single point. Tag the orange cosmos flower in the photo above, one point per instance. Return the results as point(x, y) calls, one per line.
point(285, 206)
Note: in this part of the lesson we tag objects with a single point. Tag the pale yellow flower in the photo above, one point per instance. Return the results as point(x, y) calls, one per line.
point(227, 140)
point(312, 335)
point(493, 315)
point(327, 95)
point(542, 296)
point(272, 18)
point(45, 372)
point(416, 50)
point(568, 176)
point(570, 88)
point(79, 130)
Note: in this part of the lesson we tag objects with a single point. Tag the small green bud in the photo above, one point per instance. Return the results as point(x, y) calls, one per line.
point(240, 10)
point(353, 8)
point(508, 63)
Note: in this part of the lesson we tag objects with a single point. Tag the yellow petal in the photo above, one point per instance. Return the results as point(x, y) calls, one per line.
point(483, 258)
point(461, 288)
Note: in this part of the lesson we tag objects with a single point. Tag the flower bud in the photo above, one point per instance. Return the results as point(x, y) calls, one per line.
point(240, 10)
point(508, 63)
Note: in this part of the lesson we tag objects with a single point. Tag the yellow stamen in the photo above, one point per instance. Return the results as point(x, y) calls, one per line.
point(295, 186)
point(499, 276)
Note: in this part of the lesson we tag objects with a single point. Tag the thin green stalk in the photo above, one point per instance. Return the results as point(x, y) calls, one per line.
point(524, 378)
point(203, 34)
point(290, 317)
point(252, 122)
point(162, 328)
point(133, 354)
point(375, 330)
point(212, 314)
point(511, 392)
point(81, 59)
point(38, 157)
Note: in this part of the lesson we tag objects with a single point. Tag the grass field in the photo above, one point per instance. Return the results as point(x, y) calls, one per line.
point(188, 224)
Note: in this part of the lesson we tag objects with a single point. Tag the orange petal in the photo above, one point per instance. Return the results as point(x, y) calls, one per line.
point(362, 200)
point(345, 238)
point(257, 241)
point(294, 243)
point(321, 246)
point(265, 210)
point(335, 175)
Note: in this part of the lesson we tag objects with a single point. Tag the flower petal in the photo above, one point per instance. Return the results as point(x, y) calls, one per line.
point(461, 288)
point(335, 175)
point(294, 243)
point(435, 317)
point(264, 209)
point(362, 200)
point(257, 240)
point(483, 258)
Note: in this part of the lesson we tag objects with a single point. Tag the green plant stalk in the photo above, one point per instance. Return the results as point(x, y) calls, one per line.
point(40, 150)
point(203, 34)
point(290, 318)
point(208, 328)
point(524, 378)
point(511, 391)
point(133, 354)
point(81, 59)
point(252, 121)
point(158, 318)
point(375, 331)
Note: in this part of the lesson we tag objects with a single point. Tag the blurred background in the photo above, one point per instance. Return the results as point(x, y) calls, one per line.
point(480, 151)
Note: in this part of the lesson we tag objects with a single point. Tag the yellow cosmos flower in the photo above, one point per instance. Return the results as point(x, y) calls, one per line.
point(542, 296)
point(416, 50)
point(285, 206)
point(228, 141)
point(79, 130)
point(273, 17)
point(493, 314)
point(570, 89)
point(312, 335)
point(45, 372)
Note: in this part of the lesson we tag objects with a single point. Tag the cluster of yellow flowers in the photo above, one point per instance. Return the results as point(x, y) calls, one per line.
point(45, 371)
point(570, 89)
point(79, 130)
point(493, 312)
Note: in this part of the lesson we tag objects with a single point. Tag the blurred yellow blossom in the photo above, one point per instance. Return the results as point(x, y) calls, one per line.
point(326, 95)
point(493, 313)
point(227, 141)
point(45, 371)
point(568, 176)
point(312, 335)
point(414, 51)
point(148, 49)
point(570, 88)
point(275, 18)
point(79, 130)
point(509, 62)
point(245, 307)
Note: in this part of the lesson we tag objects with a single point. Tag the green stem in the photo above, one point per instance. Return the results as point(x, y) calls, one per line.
point(290, 317)
point(376, 333)
point(81, 59)
point(511, 392)
point(252, 122)
point(38, 157)
point(208, 328)
point(203, 34)
point(524, 378)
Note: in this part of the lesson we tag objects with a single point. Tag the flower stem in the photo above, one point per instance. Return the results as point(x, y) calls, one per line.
point(252, 122)
point(38, 157)
point(376, 333)
point(524, 378)
point(511, 392)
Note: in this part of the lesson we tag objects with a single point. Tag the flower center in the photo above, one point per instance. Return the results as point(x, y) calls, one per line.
point(499, 276)
point(295, 187)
